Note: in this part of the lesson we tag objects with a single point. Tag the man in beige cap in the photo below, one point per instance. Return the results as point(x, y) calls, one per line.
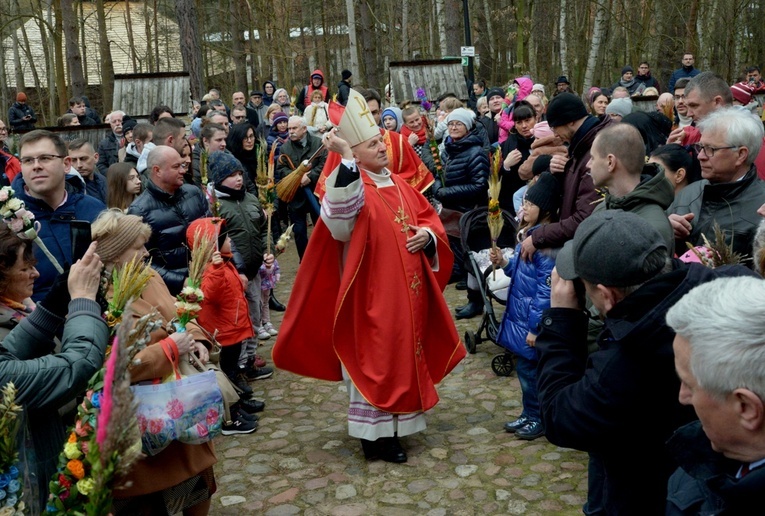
point(371, 280)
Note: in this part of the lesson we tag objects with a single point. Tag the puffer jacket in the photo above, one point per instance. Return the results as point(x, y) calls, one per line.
point(649, 199)
point(529, 296)
point(304, 97)
point(108, 152)
point(46, 381)
point(578, 190)
point(169, 215)
point(55, 228)
point(246, 223)
point(506, 122)
point(16, 115)
point(732, 205)
point(466, 174)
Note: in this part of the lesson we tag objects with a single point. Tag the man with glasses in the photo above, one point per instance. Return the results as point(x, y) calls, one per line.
point(169, 205)
point(730, 192)
point(53, 201)
point(683, 120)
point(238, 115)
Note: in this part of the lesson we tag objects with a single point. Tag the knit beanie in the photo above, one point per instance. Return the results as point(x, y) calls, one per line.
point(462, 115)
point(495, 92)
point(541, 164)
point(538, 87)
point(221, 164)
point(626, 69)
point(279, 116)
point(346, 74)
point(21, 97)
point(112, 245)
point(564, 109)
point(621, 106)
point(742, 92)
point(128, 124)
point(545, 193)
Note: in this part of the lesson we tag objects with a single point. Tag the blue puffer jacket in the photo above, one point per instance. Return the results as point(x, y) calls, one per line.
point(55, 231)
point(169, 215)
point(529, 296)
point(466, 174)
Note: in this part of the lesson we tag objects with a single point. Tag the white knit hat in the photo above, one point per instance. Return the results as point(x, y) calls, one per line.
point(538, 87)
point(463, 115)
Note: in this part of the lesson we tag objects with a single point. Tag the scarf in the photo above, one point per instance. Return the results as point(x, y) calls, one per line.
point(627, 84)
point(236, 195)
point(421, 134)
point(20, 310)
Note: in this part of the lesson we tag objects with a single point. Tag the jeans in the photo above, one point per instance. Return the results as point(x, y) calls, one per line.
point(300, 227)
point(527, 375)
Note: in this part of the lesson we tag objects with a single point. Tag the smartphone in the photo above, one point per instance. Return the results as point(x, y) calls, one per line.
point(81, 238)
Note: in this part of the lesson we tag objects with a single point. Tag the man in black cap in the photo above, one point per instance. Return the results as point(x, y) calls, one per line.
point(496, 100)
point(343, 87)
point(256, 110)
point(569, 120)
point(562, 86)
point(620, 403)
point(628, 81)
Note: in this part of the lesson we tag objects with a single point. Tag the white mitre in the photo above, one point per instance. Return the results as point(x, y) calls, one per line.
point(357, 124)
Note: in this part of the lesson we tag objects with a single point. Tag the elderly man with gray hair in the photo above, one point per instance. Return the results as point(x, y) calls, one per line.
point(730, 192)
point(109, 147)
point(719, 357)
point(298, 152)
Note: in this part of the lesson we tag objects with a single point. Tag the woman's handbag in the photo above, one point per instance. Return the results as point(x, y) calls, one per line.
point(186, 409)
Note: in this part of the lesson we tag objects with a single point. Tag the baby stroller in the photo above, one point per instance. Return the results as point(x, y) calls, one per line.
point(475, 236)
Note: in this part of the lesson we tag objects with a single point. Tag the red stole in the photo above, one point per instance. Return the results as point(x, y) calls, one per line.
point(383, 317)
point(402, 161)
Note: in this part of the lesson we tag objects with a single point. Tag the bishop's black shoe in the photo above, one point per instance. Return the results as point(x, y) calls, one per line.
point(385, 448)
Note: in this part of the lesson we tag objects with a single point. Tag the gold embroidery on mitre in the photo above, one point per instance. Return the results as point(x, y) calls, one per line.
point(357, 123)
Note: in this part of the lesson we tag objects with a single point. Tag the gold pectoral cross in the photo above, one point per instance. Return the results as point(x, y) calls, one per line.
point(401, 218)
point(365, 111)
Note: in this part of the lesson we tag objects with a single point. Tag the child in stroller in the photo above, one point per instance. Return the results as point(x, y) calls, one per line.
point(529, 296)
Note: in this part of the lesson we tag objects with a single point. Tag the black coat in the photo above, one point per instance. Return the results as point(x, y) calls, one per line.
point(511, 181)
point(169, 215)
point(343, 90)
point(620, 403)
point(16, 115)
point(297, 153)
point(108, 152)
point(466, 174)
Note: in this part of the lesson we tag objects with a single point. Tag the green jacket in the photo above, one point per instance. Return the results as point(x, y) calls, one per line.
point(246, 225)
point(649, 199)
point(45, 381)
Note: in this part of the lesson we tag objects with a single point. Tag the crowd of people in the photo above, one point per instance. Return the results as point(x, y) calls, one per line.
point(605, 322)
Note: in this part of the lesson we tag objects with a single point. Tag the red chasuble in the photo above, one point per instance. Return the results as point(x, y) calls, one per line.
point(384, 317)
point(402, 161)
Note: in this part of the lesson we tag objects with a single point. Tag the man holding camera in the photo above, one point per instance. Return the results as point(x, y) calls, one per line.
point(620, 403)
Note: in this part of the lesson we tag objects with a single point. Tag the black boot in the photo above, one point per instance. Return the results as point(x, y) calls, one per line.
point(274, 303)
point(473, 307)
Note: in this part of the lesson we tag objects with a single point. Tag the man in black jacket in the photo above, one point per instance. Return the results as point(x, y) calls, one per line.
point(297, 150)
point(169, 205)
point(620, 403)
point(344, 87)
point(21, 116)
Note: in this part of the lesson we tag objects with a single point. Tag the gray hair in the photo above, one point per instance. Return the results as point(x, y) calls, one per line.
point(758, 249)
point(723, 324)
point(739, 127)
point(710, 86)
point(210, 114)
point(117, 112)
point(299, 119)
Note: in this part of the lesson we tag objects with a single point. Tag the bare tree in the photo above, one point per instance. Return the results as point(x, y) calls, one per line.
point(186, 14)
point(107, 66)
point(73, 56)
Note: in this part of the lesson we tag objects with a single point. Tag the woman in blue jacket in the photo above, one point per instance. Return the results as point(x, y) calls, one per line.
point(528, 297)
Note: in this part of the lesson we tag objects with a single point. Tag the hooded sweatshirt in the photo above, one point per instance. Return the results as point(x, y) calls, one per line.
point(304, 99)
point(506, 123)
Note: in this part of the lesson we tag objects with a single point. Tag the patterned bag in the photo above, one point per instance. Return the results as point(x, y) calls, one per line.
point(189, 410)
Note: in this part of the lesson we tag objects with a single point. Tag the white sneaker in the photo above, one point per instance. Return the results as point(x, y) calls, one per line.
point(263, 334)
point(270, 329)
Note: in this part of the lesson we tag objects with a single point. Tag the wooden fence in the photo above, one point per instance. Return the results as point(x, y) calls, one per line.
point(93, 133)
point(435, 77)
point(137, 94)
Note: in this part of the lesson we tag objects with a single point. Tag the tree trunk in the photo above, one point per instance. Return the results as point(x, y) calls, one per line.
point(368, 50)
point(107, 66)
point(405, 29)
point(597, 38)
point(237, 39)
point(563, 38)
point(191, 52)
point(73, 57)
point(147, 35)
point(353, 44)
point(19, 71)
point(452, 23)
point(83, 45)
point(131, 40)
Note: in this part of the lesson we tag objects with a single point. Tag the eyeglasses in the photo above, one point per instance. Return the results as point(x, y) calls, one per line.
point(249, 137)
point(43, 159)
point(679, 97)
point(454, 124)
point(709, 150)
point(3, 129)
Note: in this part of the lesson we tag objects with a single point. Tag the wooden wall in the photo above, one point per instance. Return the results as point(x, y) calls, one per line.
point(436, 77)
point(138, 94)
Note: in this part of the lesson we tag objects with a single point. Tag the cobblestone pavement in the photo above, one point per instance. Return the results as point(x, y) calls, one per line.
point(302, 461)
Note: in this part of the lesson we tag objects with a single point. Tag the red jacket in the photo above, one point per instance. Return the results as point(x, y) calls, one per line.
point(12, 166)
point(224, 307)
